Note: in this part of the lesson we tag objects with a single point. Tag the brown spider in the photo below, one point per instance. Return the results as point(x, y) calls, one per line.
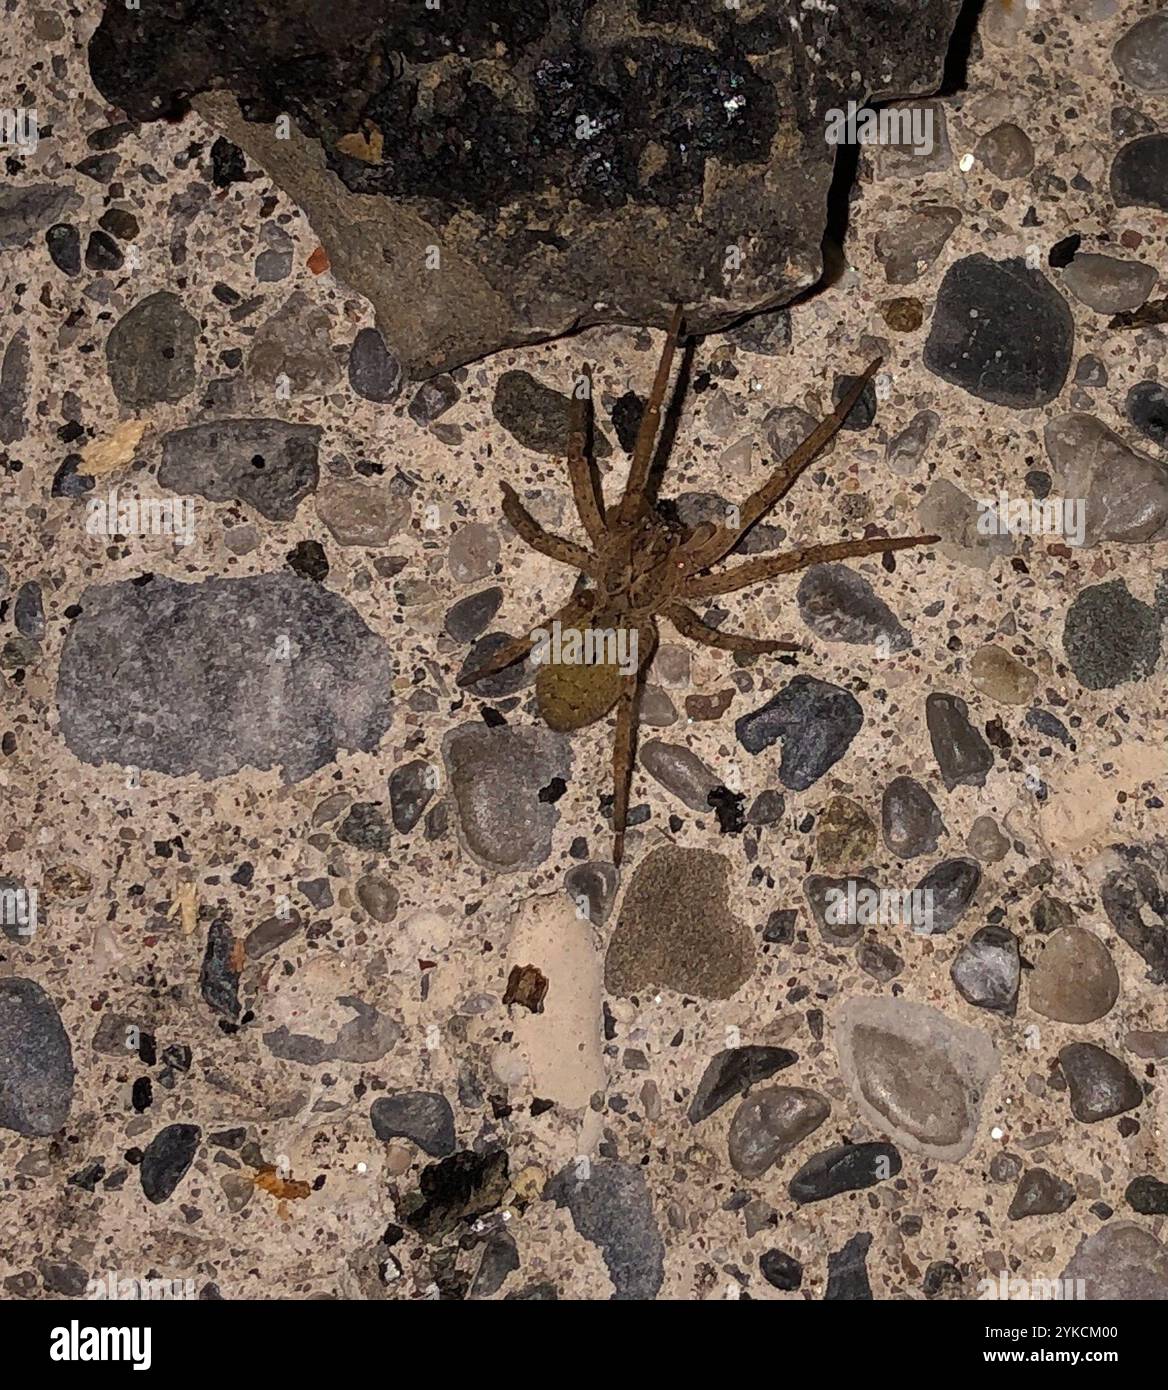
point(642, 567)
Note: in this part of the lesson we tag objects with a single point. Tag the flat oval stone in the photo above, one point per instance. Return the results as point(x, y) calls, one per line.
point(915, 1073)
point(1074, 979)
point(1001, 332)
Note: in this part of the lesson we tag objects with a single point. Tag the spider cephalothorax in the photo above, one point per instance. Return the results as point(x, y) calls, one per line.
point(641, 567)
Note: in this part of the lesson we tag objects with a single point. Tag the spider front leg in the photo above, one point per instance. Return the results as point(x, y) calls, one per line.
point(579, 606)
point(585, 484)
point(687, 622)
point(781, 481)
point(768, 566)
point(557, 547)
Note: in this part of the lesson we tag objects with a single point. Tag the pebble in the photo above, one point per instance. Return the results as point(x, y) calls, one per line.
point(780, 1270)
point(767, 808)
point(28, 611)
point(1139, 174)
point(862, 414)
point(473, 552)
point(906, 449)
point(150, 352)
point(1074, 980)
point(64, 243)
point(1142, 54)
point(952, 885)
point(612, 1208)
point(845, 834)
point(374, 372)
point(770, 1123)
point(537, 416)
point(952, 514)
point(1107, 284)
point(292, 351)
point(987, 970)
point(816, 721)
point(214, 707)
point(36, 1060)
point(1135, 898)
point(910, 820)
point(500, 1258)
point(823, 896)
point(733, 1072)
point(433, 399)
point(963, 756)
point(1110, 637)
point(469, 617)
point(166, 1160)
point(271, 934)
point(456, 1190)
point(1100, 1084)
point(1147, 1043)
point(1146, 407)
point(915, 1073)
point(308, 559)
point(25, 211)
point(378, 897)
point(592, 887)
point(840, 605)
point(847, 1272)
point(785, 427)
point(903, 314)
point(1001, 332)
point(997, 673)
point(768, 334)
point(1040, 1193)
point(219, 975)
point(424, 1118)
point(907, 250)
point(1006, 151)
point(1120, 1262)
point(986, 842)
point(1124, 492)
point(410, 788)
point(14, 373)
point(880, 961)
point(495, 776)
point(676, 930)
point(845, 1168)
point(1147, 1195)
point(362, 514)
point(365, 827)
point(269, 464)
point(679, 771)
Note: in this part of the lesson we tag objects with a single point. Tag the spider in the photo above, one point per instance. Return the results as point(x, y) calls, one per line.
point(642, 567)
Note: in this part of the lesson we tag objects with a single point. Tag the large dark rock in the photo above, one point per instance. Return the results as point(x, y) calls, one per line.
point(568, 161)
point(218, 676)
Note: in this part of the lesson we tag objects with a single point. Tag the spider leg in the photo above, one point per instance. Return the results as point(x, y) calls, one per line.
point(634, 493)
point(585, 484)
point(782, 479)
point(577, 607)
point(624, 746)
point(567, 552)
point(687, 622)
point(768, 566)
